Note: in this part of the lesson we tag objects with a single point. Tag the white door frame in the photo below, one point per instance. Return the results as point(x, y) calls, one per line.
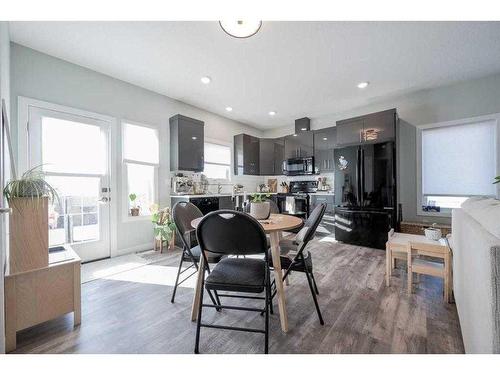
point(23, 109)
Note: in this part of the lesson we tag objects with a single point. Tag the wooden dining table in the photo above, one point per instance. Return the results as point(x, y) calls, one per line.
point(274, 226)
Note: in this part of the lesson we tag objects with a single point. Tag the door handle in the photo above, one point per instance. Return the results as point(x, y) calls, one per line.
point(6, 210)
point(104, 200)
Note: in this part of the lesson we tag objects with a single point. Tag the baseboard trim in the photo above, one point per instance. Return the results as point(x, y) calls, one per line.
point(135, 249)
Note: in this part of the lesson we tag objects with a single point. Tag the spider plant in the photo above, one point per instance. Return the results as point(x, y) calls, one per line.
point(32, 185)
point(497, 180)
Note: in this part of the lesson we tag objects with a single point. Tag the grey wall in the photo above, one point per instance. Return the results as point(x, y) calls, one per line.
point(461, 100)
point(4, 94)
point(40, 76)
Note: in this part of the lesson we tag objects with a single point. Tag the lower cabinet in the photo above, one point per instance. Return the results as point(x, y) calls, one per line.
point(316, 200)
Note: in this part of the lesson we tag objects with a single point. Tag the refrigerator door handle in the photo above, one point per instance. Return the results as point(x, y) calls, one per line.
point(358, 177)
point(362, 176)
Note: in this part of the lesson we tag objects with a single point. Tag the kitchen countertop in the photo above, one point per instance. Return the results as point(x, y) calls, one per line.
point(214, 195)
point(323, 193)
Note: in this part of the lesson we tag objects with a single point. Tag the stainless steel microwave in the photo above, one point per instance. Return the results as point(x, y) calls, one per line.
point(298, 166)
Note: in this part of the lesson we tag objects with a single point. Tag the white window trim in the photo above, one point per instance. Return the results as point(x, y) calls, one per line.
point(231, 161)
point(491, 117)
point(23, 106)
point(126, 218)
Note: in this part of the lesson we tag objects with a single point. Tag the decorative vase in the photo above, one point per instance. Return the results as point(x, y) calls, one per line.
point(260, 210)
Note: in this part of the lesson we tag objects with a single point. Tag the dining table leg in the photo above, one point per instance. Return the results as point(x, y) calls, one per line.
point(197, 289)
point(278, 278)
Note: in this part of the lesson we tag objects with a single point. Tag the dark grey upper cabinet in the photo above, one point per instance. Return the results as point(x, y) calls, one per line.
point(299, 145)
point(279, 155)
point(246, 154)
point(325, 141)
point(186, 144)
point(372, 128)
point(266, 157)
point(380, 126)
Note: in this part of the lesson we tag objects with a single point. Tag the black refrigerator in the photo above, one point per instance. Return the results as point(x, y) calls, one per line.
point(365, 193)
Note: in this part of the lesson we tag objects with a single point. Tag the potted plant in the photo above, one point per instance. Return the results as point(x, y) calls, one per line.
point(134, 210)
point(259, 208)
point(163, 225)
point(29, 197)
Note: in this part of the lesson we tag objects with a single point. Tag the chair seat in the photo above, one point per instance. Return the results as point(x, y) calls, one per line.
point(286, 261)
point(196, 251)
point(238, 275)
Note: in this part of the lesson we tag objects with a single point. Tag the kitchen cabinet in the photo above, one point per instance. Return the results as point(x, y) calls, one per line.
point(279, 155)
point(186, 144)
point(266, 157)
point(299, 145)
point(324, 143)
point(371, 128)
point(328, 199)
point(246, 155)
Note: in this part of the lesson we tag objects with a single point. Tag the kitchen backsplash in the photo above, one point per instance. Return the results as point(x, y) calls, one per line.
point(251, 183)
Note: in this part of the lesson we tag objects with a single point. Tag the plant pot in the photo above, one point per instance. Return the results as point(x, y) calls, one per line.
point(29, 234)
point(260, 210)
point(134, 211)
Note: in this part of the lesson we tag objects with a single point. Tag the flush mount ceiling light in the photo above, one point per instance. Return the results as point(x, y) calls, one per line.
point(206, 80)
point(363, 85)
point(229, 109)
point(272, 113)
point(240, 29)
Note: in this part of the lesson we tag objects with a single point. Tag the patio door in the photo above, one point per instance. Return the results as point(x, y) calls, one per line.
point(73, 151)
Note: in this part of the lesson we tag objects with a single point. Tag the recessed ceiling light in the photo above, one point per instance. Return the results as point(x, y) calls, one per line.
point(206, 80)
point(325, 139)
point(363, 85)
point(229, 109)
point(272, 113)
point(295, 135)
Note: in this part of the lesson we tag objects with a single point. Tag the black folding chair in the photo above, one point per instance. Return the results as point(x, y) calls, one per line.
point(228, 232)
point(302, 259)
point(183, 213)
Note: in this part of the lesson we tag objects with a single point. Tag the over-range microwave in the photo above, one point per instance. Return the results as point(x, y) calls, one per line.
point(298, 166)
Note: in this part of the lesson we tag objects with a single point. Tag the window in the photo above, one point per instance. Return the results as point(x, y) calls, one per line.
point(141, 159)
point(457, 161)
point(217, 161)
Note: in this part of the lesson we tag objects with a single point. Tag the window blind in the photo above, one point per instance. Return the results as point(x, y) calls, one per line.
point(459, 160)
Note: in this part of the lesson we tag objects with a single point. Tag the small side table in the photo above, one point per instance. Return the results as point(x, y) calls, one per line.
point(42, 294)
point(404, 246)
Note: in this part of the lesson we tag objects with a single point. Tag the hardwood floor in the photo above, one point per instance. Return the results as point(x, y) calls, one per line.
point(361, 315)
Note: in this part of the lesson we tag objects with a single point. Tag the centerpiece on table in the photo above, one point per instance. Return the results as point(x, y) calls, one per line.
point(260, 209)
point(163, 226)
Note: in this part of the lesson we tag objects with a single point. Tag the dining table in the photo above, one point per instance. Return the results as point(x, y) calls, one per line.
point(275, 225)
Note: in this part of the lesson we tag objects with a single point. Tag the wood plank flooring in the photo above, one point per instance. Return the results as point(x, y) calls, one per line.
point(361, 315)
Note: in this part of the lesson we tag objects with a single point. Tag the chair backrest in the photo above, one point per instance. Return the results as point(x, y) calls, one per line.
point(183, 213)
point(307, 232)
point(232, 233)
point(273, 206)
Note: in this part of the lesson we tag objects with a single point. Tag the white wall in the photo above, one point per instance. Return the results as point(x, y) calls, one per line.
point(4, 94)
point(40, 76)
point(461, 100)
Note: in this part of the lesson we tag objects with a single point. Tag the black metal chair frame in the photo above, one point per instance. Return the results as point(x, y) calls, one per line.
point(299, 262)
point(267, 298)
point(187, 254)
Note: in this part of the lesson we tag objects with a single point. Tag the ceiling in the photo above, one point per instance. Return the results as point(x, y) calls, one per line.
point(294, 68)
